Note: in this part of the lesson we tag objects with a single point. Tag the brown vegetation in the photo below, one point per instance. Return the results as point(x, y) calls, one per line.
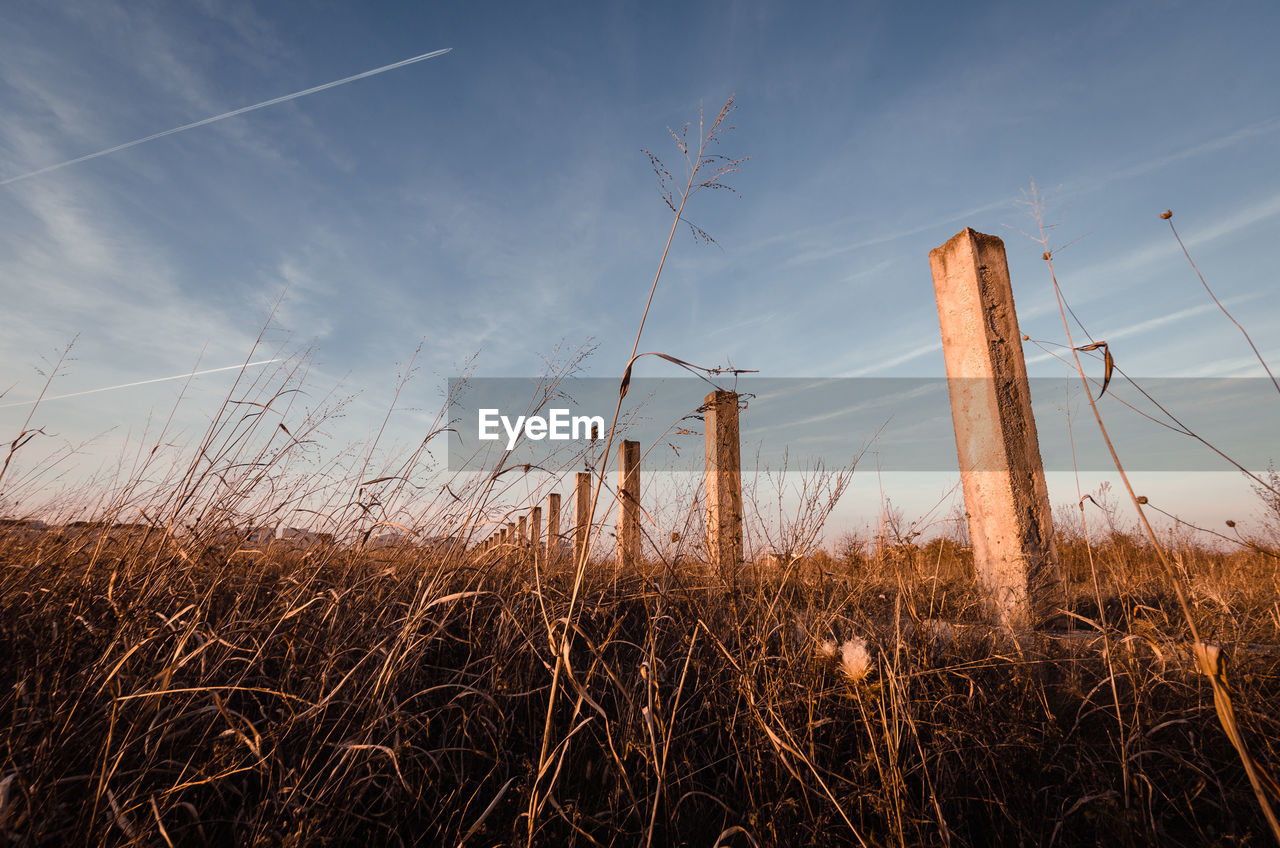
point(281, 698)
point(188, 679)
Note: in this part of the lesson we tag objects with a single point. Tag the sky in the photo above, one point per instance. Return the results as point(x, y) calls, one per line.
point(495, 204)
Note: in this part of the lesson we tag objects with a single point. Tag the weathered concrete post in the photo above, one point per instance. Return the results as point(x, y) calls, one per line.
point(628, 504)
point(553, 526)
point(535, 533)
point(1000, 466)
point(723, 482)
point(522, 537)
point(582, 514)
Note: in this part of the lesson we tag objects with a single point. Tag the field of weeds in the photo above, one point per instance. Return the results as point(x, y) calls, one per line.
point(157, 693)
point(191, 680)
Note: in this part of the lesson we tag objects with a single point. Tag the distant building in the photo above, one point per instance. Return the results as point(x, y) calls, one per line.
point(389, 537)
point(23, 529)
point(22, 524)
point(115, 531)
point(297, 537)
point(260, 537)
point(443, 545)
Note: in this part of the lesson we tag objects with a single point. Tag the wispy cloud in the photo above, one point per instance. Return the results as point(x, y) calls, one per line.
point(1109, 277)
point(828, 251)
point(187, 376)
point(1151, 324)
point(1213, 145)
point(894, 361)
point(1245, 217)
point(73, 269)
point(233, 113)
point(1237, 366)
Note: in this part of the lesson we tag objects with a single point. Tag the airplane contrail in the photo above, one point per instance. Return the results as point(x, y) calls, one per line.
point(264, 104)
point(141, 383)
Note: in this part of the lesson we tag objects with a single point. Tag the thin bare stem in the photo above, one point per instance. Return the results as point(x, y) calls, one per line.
point(691, 186)
point(1168, 216)
point(1206, 659)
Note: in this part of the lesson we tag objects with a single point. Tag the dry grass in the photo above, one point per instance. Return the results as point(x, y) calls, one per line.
point(184, 681)
point(397, 696)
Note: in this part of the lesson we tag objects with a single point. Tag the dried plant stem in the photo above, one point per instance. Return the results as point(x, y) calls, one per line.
point(26, 434)
point(1206, 659)
point(692, 184)
point(1168, 216)
point(1102, 616)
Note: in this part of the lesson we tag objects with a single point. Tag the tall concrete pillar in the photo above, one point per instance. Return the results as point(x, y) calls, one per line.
point(553, 526)
point(723, 482)
point(628, 504)
point(1000, 467)
point(582, 515)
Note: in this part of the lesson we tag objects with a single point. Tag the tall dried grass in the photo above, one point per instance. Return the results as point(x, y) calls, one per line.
point(170, 674)
point(333, 695)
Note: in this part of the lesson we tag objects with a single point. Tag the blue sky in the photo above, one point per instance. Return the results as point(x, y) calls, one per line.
point(496, 200)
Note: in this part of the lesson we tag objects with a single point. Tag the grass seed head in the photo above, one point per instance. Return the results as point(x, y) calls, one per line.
point(855, 660)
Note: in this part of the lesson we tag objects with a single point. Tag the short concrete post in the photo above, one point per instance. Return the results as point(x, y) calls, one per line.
point(628, 504)
point(582, 515)
point(522, 538)
point(723, 482)
point(1000, 466)
point(535, 533)
point(553, 526)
